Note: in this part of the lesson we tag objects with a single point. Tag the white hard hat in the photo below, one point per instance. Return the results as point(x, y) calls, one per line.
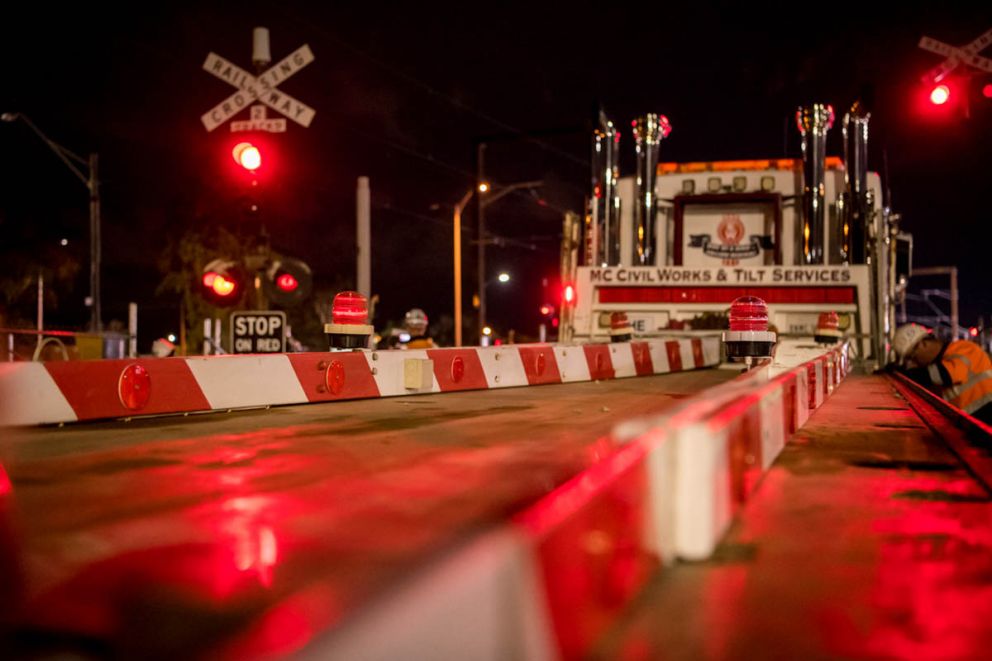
point(906, 339)
point(162, 347)
point(415, 318)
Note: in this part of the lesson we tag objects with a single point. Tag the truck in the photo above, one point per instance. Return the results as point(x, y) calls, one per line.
point(675, 243)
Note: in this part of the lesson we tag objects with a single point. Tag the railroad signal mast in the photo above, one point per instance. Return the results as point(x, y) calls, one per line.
point(275, 279)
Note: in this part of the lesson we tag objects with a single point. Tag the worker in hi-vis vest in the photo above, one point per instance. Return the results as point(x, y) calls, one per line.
point(959, 371)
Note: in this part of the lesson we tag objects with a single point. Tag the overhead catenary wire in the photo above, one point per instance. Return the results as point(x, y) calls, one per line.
point(432, 91)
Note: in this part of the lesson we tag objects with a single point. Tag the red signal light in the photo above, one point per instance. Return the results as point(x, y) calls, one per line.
point(219, 284)
point(940, 95)
point(987, 91)
point(748, 313)
point(350, 308)
point(222, 286)
point(349, 327)
point(569, 293)
point(546, 310)
point(222, 282)
point(287, 283)
point(247, 156)
point(973, 331)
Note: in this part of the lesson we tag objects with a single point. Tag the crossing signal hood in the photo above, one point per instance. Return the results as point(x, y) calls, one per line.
point(288, 281)
point(222, 282)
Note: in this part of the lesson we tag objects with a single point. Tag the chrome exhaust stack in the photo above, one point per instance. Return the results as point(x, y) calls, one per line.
point(603, 239)
point(856, 213)
point(813, 121)
point(649, 131)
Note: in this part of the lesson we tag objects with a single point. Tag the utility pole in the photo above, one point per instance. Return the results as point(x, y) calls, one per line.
point(480, 157)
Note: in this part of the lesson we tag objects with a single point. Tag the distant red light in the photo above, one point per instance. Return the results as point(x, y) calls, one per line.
point(987, 91)
point(973, 331)
point(287, 282)
point(748, 313)
point(546, 310)
point(569, 293)
point(940, 95)
point(350, 308)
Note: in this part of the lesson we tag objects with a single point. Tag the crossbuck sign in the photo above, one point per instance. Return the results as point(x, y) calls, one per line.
point(261, 89)
point(967, 54)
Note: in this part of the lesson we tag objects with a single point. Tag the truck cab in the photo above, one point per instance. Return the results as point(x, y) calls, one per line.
point(675, 244)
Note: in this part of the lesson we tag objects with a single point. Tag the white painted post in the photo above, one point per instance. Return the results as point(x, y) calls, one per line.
point(132, 330)
point(363, 234)
point(207, 325)
point(217, 335)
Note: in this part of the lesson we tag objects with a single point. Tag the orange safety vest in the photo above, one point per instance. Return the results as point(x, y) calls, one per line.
point(422, 342)
point(970, 370)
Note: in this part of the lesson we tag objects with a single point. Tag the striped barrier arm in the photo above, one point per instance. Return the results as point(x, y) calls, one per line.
point(75, 391)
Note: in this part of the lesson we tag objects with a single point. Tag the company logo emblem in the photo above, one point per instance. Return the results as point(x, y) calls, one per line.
point(731, 232)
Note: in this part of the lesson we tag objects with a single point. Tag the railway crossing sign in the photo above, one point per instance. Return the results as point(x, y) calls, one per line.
point(261, 89)
point(967, 54)
point(258, 331)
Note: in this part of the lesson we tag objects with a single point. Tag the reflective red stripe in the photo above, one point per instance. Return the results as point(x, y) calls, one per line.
point(600, 363)
point(350, 377)
point(450, 375)
point(674, 356)
point(697, 353)
point(642, 358)
point(92, 387)
point(726, 294)
point(540, 365)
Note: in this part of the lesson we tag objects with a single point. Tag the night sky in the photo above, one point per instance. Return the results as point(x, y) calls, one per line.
point(403, 92)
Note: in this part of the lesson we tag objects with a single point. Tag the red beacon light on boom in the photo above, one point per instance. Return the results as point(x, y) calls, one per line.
point(748, 337)
point(827, 328)
point(349, 327)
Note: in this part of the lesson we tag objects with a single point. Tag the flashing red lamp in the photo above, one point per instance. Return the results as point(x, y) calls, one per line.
point(287, 283)
point(940, 94)
point(568, 294)
point(219, 284)
point(973, 331)
point(828, 328)
point(987, 91)
point(749, 337)
point(222, 282)
point(547, 310)
point(620, 328)
point(349, 328)
point(247, 156)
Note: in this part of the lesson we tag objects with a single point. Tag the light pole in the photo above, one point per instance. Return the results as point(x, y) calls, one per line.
point(92, 183)
point(458, 264)
point(487, 196)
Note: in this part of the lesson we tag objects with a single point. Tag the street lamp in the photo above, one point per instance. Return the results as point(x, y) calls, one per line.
point(92, 183)
point(486, 189)
point(482, 188)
